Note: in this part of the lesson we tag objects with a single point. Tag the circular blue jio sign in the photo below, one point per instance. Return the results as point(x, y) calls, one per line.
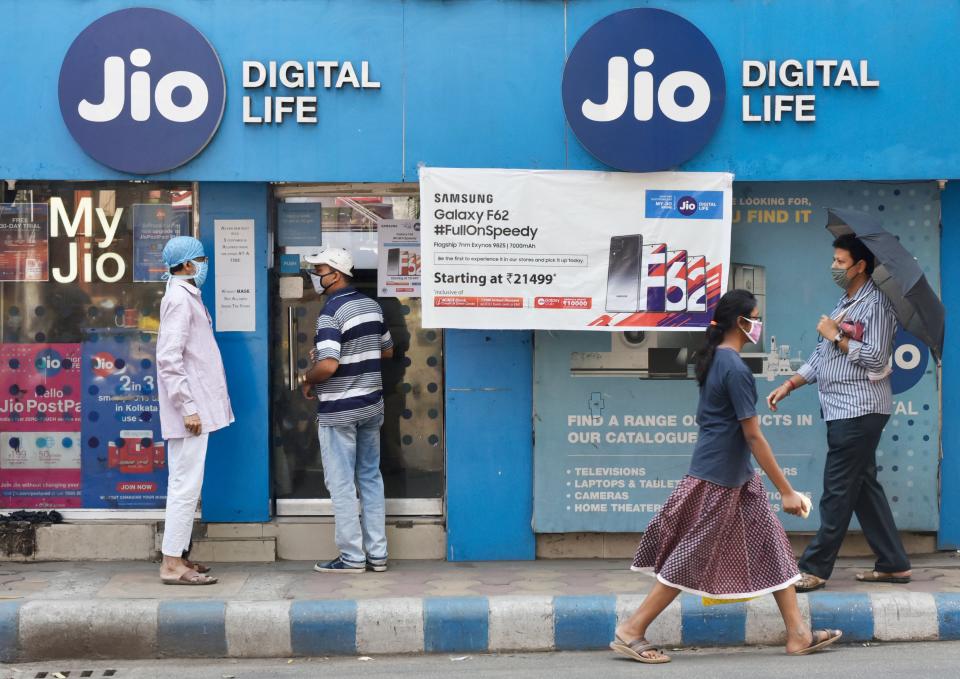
point(142, 91)
point(643, 90)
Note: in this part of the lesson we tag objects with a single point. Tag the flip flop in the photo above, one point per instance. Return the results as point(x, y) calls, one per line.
point(809, 583)
point(197, 566)
point(635, 648)
point(190, 578)
point(832, 635)
point(876, 576)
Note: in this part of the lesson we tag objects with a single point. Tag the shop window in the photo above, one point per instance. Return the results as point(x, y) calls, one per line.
point(80, 290)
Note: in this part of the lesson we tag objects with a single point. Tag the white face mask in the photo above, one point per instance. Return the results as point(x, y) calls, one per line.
point(317, 280)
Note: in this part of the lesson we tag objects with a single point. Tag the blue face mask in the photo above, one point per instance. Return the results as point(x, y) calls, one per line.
point(198, 277)
point(201, 275)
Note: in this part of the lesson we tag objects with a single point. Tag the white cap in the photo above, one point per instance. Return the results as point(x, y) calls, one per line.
point(336, 258)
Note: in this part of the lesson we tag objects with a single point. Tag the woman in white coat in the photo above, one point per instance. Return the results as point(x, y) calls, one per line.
point(192, 391)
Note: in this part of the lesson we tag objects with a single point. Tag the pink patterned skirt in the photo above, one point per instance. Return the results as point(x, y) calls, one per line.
point(718, 542)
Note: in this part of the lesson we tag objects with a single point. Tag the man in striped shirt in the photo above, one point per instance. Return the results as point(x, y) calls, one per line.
point(851, 368)
point(351, 340)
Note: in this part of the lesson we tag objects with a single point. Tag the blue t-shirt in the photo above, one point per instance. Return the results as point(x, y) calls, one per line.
point(728, 396)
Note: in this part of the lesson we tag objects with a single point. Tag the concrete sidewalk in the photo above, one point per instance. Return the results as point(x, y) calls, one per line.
point(284, 609)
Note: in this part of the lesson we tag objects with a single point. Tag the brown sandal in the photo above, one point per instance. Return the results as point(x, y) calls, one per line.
point(877, 576)
point(828, 636)
point(635, 650)
point(190, 578)
point(809, 582)
point(197, 566)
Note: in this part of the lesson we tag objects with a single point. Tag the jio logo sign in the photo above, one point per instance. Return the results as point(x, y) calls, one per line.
point(643, 90)
point(142, 91)
point(687, 206)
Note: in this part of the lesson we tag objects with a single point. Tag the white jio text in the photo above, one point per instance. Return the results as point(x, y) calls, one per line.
point(793, 73)
point(295, 75)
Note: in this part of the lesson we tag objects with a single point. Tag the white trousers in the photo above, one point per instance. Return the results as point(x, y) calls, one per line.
point(185, 460)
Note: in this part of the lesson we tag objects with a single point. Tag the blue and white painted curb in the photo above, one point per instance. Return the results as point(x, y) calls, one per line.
point(44, 629)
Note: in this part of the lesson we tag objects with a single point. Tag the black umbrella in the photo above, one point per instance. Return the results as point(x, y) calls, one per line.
point(898, 275)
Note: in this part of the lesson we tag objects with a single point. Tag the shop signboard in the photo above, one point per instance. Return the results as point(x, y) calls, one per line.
point(124, 456)
point(39, 425)
point(615, 413)
point(398, 258)
point(24, 229)
point(560, 250)
point(154, 225)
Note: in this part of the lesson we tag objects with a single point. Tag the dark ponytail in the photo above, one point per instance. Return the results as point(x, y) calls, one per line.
point(732, 306)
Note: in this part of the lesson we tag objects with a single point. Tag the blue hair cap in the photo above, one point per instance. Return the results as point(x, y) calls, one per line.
point(181, 249)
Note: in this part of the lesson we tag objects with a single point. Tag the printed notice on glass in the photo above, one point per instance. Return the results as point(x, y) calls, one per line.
point(398, 263)
point(570, 250)
point(235, 275)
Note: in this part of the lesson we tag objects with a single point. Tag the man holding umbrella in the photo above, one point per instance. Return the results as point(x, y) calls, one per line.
point(851, 368)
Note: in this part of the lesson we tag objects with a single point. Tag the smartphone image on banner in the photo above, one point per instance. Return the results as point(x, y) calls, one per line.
point(697, 283)
point(393, 261)
point(623, 274)
point(653, 278)
point(676, 283)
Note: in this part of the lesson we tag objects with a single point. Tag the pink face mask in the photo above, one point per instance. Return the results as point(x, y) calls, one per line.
point(756, 329)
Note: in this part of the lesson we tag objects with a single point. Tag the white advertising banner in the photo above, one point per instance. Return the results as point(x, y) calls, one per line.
point(398, 258)
point(564, 250)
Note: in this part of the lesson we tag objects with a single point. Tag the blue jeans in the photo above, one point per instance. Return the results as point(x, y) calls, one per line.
point(351, 466)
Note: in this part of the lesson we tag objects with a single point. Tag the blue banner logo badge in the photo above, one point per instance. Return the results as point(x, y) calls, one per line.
point(684, 205)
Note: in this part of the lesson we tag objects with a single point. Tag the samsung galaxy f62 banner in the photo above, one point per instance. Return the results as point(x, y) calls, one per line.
point(559, 250)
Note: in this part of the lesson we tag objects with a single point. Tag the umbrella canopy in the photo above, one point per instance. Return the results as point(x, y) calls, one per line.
point(898, 275)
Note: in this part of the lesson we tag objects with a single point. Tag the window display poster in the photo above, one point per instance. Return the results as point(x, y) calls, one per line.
point(615, 413)
point(39, 425)
point(398, 258)
point(565, 250)
point(24, 229)
point(124, 456)
point(234, 274)
point(153, 225)
point(298, 224)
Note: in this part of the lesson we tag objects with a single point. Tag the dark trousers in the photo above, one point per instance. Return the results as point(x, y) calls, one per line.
point(850, 485)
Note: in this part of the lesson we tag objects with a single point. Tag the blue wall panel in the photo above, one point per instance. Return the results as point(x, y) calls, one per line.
point(489, 404)
point(237, 482)
point(949, 536)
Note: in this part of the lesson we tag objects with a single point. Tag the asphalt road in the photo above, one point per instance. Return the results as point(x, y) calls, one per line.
point(916, 660)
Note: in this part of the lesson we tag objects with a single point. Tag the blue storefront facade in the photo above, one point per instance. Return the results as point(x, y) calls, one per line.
point(339, 104)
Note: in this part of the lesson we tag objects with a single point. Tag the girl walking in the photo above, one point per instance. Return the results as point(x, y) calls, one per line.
point(717, 536)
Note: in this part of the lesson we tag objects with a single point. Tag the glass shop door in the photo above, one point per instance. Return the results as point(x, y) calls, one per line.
point(412, 453)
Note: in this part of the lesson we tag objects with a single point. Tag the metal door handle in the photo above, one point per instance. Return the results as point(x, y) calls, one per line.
point(291, 348)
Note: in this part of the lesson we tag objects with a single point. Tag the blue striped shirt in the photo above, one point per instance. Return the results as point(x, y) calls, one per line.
point(843, 380)
point(351, 330)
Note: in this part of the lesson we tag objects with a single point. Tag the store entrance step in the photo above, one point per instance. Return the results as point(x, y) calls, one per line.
point(225, 550)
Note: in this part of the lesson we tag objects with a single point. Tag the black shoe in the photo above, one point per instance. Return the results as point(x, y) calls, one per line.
point(338, 565)
point(377, 565)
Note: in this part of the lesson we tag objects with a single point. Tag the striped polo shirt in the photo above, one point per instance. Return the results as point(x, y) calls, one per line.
point(351, 330)
point(844, 380)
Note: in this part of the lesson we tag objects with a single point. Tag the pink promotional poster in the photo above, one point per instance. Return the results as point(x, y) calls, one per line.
point(40, 425)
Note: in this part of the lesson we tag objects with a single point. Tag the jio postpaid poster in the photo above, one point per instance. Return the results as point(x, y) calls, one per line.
point(124, 457)
point(40, 426)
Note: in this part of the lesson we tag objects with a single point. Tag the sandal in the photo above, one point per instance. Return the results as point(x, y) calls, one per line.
point(190, 578)
point(197, 566)
point(809, 582)
point(827, 637)
point(635, 650)
point(877, 576)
